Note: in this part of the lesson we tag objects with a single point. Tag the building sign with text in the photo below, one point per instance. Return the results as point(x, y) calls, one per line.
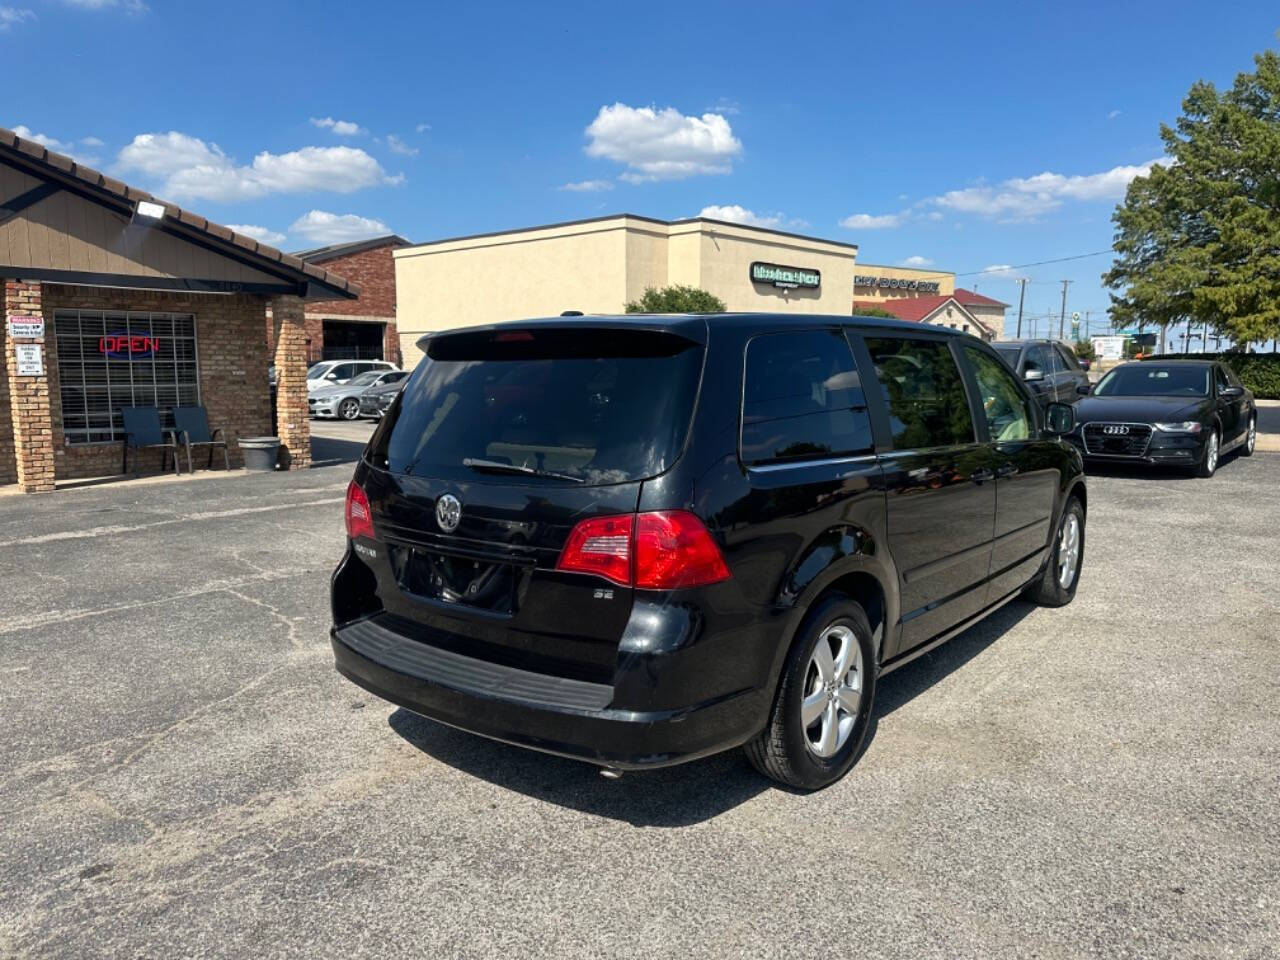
point(896, 283)
point(785, 278)
point(26, 327)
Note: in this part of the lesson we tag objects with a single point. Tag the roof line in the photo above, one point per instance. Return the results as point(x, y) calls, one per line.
point(631, 216)
point(99, 188)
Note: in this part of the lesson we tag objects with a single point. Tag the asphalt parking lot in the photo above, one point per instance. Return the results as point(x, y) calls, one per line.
point(184, 774)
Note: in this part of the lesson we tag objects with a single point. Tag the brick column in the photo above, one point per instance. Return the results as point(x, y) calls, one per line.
point(29, 395)
point(289, 327)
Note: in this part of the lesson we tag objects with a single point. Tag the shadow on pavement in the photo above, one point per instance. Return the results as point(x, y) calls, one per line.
point(683, 795)
point(326, 451)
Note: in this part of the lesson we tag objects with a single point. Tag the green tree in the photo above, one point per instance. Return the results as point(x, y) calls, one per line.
point(1084, 350)
point(874, 312)
point(1198, 239)
point(676, 299)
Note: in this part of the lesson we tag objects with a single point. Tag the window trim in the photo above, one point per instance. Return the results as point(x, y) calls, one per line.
point(118, 437)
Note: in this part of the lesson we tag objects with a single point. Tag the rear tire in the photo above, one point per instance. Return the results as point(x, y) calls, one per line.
point(820, 688)
point(1250, 437)
point(1056, 585)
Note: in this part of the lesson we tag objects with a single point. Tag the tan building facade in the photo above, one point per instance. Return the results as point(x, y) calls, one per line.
point(598, 266)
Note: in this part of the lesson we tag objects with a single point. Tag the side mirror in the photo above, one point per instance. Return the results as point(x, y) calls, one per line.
point(1059, 419)
point(1033, 374)
point(331, 376)
point(1084, 389)
point(1231, 393)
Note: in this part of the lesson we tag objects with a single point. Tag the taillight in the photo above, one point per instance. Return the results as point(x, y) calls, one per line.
point(673, 550)
point(358, 515)
point(660, 550)
point(601, 545)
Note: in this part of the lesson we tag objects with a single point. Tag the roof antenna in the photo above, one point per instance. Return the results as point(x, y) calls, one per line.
point(571, 313)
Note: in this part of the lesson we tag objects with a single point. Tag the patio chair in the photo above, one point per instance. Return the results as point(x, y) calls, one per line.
point(142, 429)
point(192, 424)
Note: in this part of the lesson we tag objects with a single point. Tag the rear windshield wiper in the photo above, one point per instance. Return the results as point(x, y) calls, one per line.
point(497, 466)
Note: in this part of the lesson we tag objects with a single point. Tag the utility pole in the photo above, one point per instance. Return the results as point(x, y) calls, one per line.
point(1062, 318)
point(1021, 297)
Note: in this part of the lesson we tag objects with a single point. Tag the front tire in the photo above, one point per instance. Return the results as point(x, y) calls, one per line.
point(1056, 586)
point(822, 709)
point(349, 409)
point(1209, 459)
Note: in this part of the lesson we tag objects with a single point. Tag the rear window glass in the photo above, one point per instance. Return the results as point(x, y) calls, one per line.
point(802, 399)
point(593, 406)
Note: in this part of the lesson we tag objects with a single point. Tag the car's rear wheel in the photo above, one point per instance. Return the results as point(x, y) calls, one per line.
point(822, 707)
point(1056, 586)
point(1250, 437)
point(1209, 459)
point(349, 409)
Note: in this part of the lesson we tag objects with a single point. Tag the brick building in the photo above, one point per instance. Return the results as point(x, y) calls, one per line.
point(115, 299)
point(360, 329)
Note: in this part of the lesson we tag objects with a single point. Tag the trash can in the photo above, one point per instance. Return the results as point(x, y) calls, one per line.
point(260, 453)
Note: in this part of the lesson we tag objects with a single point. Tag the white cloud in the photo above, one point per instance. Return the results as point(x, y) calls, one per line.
point(343, 128)
point(92, 142)
point(184, 166)
point(422, 127)
point(587, 186)
point(1113, 114)
point(396, 145)
point(322, 228)
point(916, 261)
point(998, 270)
point(662, 144)
point(128, 6)
point(59, 146)
point(43, 139)
point(1022, 198)
point(13, 15)
point(734, 213)
point(261, 234)
point(868, 221)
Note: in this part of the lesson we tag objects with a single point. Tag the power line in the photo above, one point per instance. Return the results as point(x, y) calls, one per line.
point(996, 271)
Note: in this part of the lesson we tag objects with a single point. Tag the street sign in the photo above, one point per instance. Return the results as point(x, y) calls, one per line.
point(30, 360)
point(20, 327)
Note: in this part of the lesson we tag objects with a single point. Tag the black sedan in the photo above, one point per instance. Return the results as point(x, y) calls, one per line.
point(1184, 413)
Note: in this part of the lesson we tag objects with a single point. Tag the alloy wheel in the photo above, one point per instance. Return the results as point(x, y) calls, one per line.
point(833, 691)
point(1068, 551)
point(1253, 434)
point(349, 410)
point(1211, 455)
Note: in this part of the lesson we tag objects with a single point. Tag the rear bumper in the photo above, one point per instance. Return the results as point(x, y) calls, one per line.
point(570, 718)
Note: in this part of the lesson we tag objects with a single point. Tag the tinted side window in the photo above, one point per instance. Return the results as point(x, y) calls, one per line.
point(923, 391)
point(344, 371)
point(1003, 403)
point(1069, 361)
point(1221, 376)
point(1036, 360)
point(802, 399)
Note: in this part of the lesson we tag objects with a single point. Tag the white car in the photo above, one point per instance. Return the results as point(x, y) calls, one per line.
point(330, 373)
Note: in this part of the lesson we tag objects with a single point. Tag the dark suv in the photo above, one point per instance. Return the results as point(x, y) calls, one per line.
point(1050, 368)
point(640, 540)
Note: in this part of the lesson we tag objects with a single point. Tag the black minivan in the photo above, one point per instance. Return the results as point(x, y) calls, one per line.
point(639, 540)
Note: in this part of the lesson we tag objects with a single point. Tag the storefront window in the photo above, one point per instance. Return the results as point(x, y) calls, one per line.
point(111, 359)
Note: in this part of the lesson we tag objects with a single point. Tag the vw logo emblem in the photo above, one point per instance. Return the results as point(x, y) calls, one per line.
point(1116, 429)
point(448, 512)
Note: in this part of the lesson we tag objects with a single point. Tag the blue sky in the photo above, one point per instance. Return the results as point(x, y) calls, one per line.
point(965, 135)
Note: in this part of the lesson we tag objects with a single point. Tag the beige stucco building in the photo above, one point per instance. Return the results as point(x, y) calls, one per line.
point(598, 266)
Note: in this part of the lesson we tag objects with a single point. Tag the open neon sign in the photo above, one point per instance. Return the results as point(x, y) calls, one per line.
point(128, 346)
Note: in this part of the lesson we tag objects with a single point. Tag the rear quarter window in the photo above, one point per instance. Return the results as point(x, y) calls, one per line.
point(802, 399)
